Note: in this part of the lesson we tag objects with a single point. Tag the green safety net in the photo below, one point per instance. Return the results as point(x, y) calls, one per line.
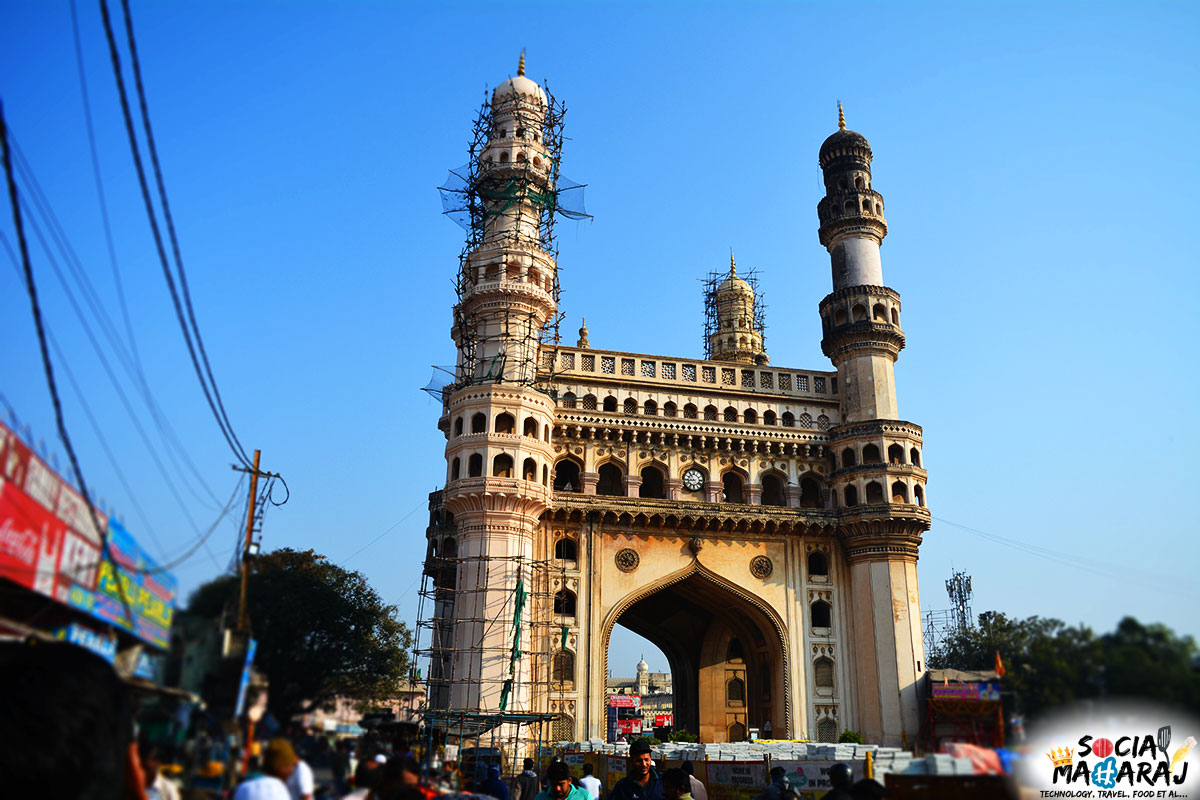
point(519, 596)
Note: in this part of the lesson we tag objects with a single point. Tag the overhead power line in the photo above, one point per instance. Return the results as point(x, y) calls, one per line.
point(48, 368)
point(191, 332)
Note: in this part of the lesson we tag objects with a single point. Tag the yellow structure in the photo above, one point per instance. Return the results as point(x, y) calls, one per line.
point(760, 524)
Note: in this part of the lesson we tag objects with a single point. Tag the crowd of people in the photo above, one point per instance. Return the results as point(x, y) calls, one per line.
point(69, 732)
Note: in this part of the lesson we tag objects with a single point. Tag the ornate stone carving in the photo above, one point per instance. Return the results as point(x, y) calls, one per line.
point(694, 546)
point(627, 559)
point(761, 567)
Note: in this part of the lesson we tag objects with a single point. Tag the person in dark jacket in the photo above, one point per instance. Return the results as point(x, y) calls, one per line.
point(527, 782)
point(492, 786)
point(642, 782)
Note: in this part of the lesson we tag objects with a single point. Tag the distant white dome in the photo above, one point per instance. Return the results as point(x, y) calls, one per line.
point(643, 666)
point(519, 85)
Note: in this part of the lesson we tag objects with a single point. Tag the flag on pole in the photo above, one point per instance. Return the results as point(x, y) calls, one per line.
point(999, 665)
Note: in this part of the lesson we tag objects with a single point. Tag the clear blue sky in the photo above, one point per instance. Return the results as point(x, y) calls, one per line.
point(1038, 161)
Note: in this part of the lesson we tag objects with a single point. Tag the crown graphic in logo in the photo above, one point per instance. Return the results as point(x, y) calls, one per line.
point(1062, 757)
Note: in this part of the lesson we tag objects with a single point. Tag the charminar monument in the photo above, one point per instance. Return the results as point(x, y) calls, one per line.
point(759, 523)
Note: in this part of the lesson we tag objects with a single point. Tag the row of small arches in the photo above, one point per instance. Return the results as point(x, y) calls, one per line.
point(653, 485)
point(690, 411)
point(852, 207)
point(521, 157)
point(871, 455)
point(874, 494)
point(512, 272)
point(505, 423)
point(858, 313)
point(503, 466)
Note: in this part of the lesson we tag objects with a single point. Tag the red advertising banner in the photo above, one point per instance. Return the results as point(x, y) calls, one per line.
point(664, 720)
point(625, 701)
point(30, 538)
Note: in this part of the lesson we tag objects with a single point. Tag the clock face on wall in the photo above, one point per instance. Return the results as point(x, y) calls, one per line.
point(693, 479)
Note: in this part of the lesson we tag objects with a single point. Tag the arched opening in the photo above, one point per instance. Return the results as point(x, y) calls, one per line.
point(694, 622)
point(810, 493)
point(630, 406)
point(690, 411)
point(504, 158)
point(878, 313)
point(670, 409)
point(502, 466)
point(818, 565)
point(919, 495)
point(652, 484)
point(458, 426)
point(731, 414)
point(858, 182)
point(827, 730)
point(610, 404)
point(505, 423)
point(531, 427)
point(566, 476)
point(737, 732)
point(899, 492)
point(772, 491)
point(545, 475)
point(568, 400)
point(821, 614)
point(874, 493)
point(529, 470)
point(859, 312)
point(564, 603)
point(871, 455)
point(475, 466)
point(839, 317)
point(750, 417)
point(851, 494)
point(479, 423)
point(848, 457)
point(563, 667)
point(650, 408)
point(710, 413)
point(732, 483)
point(895, 454)
point(566, 550)
point(895, 317)
point(589, 402)
point(449, 549)
point(612, 480)
point(769, 418)
point(915, 456)
point(455, 468)
point(789, 419)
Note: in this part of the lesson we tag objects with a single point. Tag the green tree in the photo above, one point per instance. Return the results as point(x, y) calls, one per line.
point(322, 631)
point(1049, 664)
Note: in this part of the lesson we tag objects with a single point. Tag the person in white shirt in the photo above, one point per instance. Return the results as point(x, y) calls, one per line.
point(590, 782)
point(300, 784)
point(279, 762)
point(157, 786)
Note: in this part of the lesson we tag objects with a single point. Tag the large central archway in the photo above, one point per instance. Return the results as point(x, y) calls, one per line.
point(725, 649)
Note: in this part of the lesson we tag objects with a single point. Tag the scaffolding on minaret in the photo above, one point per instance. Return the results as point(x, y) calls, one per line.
point(479, 191)
point(719, 304)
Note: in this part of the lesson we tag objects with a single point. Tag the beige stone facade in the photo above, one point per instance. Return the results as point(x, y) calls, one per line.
point(760, 524)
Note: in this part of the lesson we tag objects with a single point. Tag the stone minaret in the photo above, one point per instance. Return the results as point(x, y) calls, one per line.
point(498, 450)
point(878, 478)
point(735, 338)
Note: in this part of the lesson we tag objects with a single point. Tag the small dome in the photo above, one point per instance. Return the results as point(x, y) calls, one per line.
point(519, 85)
point(734, 284)
point(841, 141)
point(643, 666)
